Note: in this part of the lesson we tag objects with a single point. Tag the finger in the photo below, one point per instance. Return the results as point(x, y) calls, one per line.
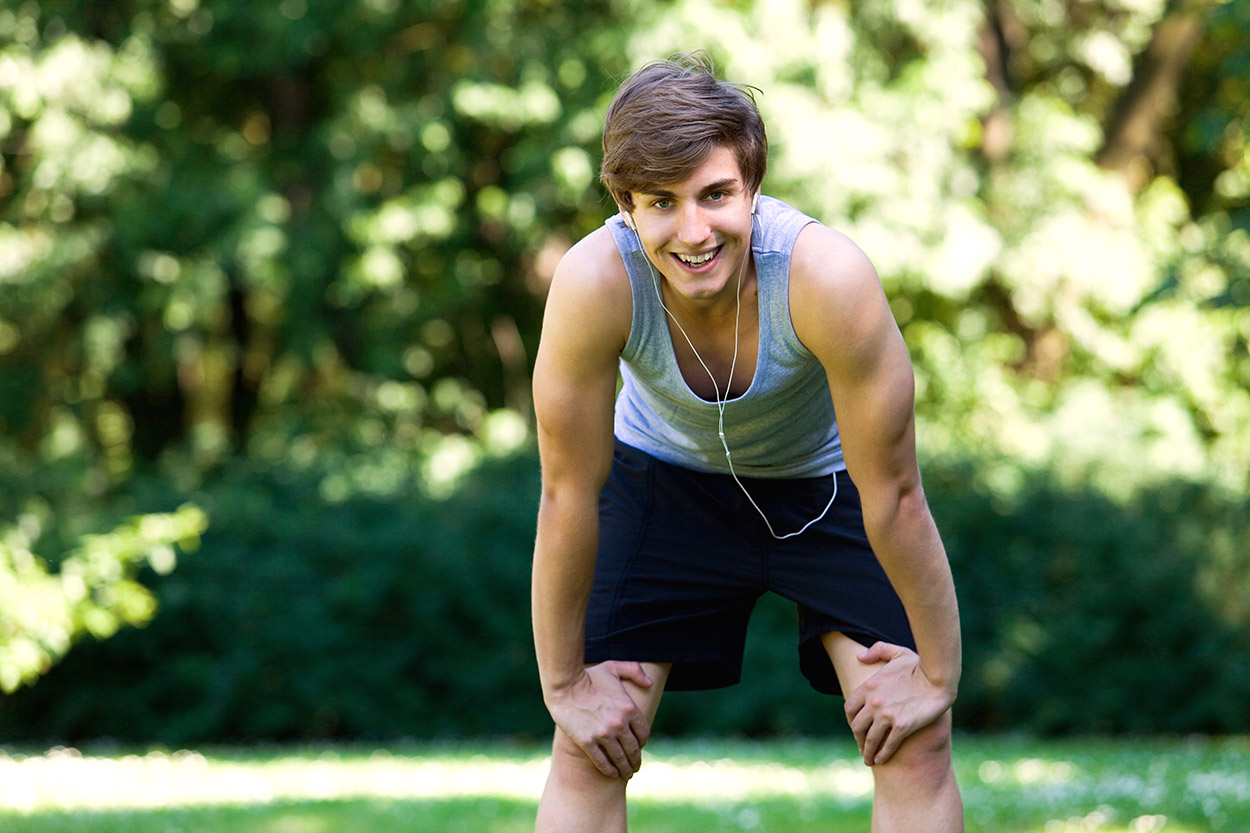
point(632, 671)
point(879, 652)
point(855, 702)
point(617, 754)
point(859, 721)
point(860, 727)
point(873, 738)
point(641, 728)
point(588, 745)
point(633, 751)
point(601, 761)
point(900, 730)
point(890, 745)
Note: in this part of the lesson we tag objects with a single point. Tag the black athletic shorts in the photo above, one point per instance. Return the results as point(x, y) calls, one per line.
point(683, 557)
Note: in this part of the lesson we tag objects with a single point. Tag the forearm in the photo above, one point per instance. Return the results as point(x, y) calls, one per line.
point(906, 541)
point(564, 564)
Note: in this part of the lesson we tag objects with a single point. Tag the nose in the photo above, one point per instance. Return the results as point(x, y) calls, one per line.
point(694, 227)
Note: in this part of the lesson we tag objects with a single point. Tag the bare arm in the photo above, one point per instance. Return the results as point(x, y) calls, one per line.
point(840, 313)
point(584, 329)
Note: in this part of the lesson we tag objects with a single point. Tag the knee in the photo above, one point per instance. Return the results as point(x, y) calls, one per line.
point(571, 767)
point(924, 759)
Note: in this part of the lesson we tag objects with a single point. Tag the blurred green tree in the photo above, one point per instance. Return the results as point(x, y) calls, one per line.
point(340, 240)
point(1055, 196)
point(236, 226)
point(290, 232)
point(94, 591)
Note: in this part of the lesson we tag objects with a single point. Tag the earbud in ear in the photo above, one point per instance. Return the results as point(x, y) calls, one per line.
point(629, 220)
point(755, 202)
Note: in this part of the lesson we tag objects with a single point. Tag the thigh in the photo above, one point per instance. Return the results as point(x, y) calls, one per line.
point(648, 698)
point(844, 654)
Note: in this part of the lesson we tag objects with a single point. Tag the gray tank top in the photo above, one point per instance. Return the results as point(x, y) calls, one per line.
point(782, 426)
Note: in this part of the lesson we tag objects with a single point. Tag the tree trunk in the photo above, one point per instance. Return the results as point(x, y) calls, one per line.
point(1134, 136)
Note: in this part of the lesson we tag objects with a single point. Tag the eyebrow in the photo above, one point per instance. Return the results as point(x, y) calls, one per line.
point(718, 185)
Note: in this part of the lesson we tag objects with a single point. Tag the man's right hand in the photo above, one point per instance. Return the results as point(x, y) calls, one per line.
point(597, 713)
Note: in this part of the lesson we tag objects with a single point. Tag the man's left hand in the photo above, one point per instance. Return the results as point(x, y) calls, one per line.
point(893, 703)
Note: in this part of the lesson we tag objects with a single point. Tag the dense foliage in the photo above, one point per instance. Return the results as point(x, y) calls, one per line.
point(285, 263)
point(390, 618)
point(370, 617)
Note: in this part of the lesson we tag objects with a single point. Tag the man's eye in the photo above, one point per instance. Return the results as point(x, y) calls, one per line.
point(662, 203)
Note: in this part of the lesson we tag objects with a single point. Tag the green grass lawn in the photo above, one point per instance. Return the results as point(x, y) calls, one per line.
point(1009, 786)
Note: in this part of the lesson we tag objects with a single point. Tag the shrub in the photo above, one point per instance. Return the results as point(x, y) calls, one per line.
point(409, 617)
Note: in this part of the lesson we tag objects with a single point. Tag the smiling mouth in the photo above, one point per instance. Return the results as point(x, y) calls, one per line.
point(695, 261)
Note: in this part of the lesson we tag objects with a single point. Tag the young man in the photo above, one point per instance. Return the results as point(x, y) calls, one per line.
point(720, 472)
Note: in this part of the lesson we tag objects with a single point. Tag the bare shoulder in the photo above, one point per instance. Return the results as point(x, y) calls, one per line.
point(593, 265)
point(590, 283)
point(589, 306)
point(827, 264)
point(835, 294)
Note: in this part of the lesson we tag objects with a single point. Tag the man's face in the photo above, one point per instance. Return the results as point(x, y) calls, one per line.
point(697, 232)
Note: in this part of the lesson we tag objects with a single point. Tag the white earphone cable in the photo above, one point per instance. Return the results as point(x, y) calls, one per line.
point(721, 401)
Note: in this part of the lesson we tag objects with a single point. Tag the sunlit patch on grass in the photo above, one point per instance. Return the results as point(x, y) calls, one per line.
point(68, 779)
point(1102, 821)
point(800, 786)
point(1026, 772)
point(298, 823)
point(681, 779)
point(1110, 786)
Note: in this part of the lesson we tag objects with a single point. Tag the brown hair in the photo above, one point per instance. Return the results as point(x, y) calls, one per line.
point(665, 120)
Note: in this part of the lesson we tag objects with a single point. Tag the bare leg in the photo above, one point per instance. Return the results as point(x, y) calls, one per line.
point(578, 798)
point(915, 789)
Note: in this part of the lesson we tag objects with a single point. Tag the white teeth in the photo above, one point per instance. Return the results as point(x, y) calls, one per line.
point(696, 260)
